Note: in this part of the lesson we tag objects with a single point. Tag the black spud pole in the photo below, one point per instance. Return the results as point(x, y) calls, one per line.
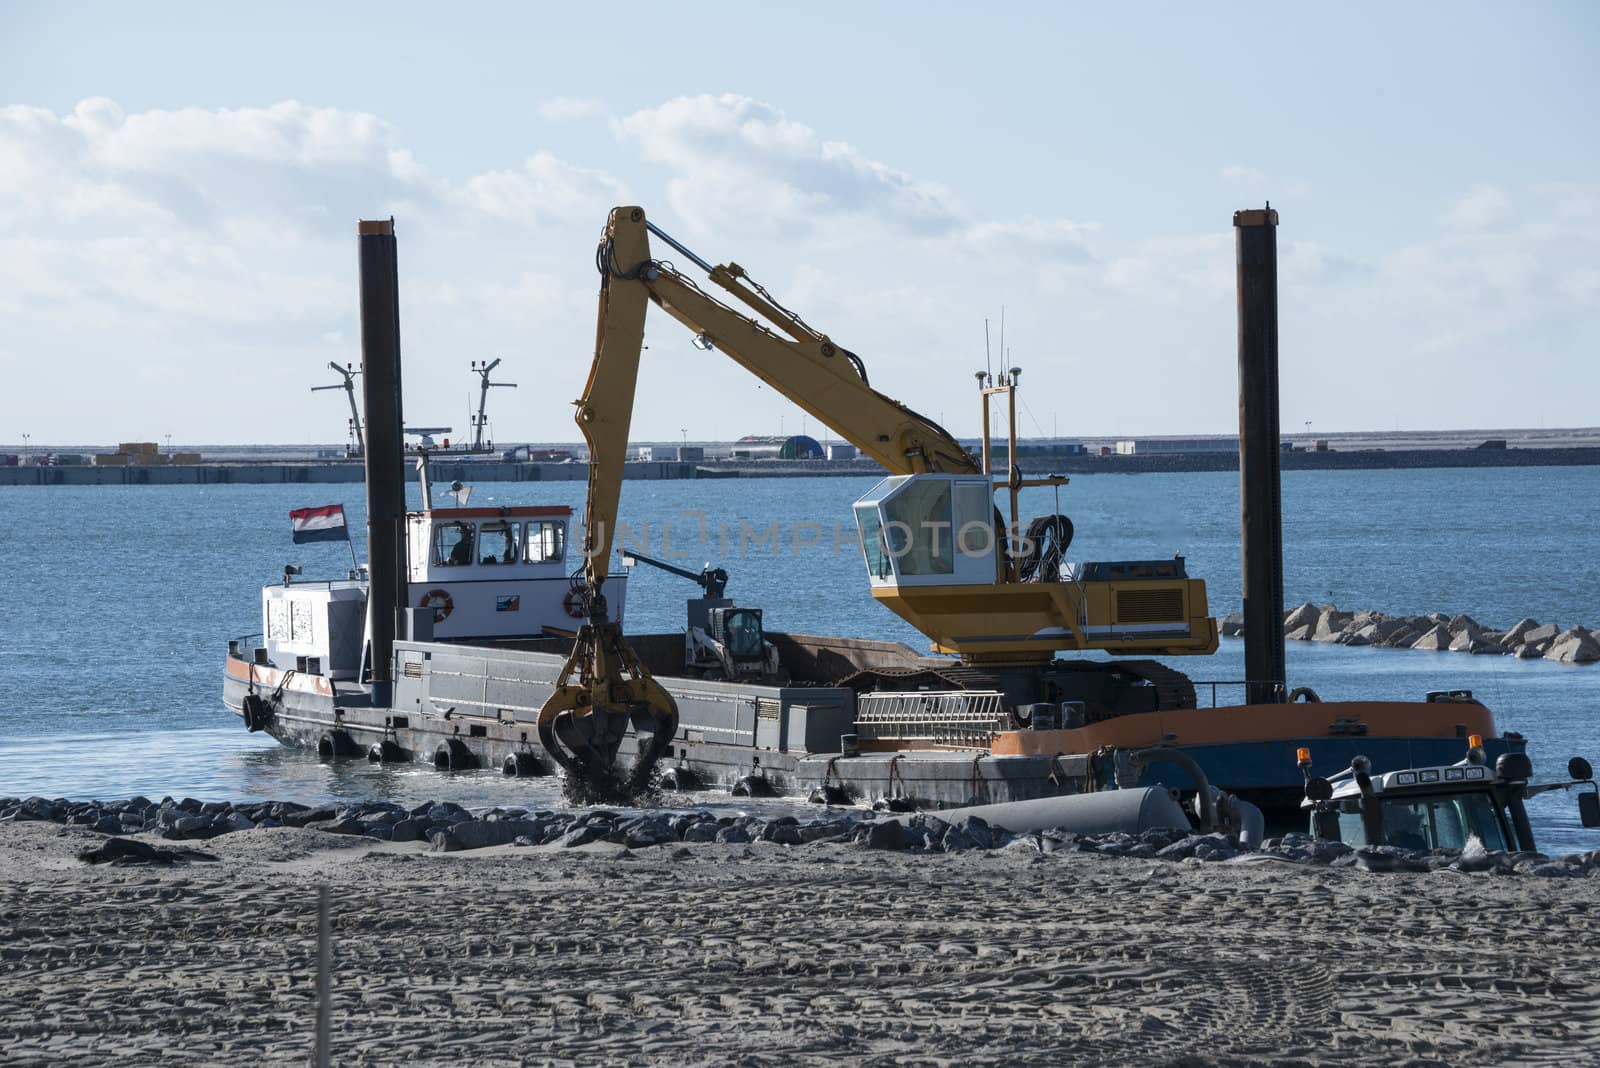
point(1260, 496)
point(385, 458)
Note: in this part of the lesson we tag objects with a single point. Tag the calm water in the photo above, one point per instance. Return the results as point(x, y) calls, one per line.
point(121, 599)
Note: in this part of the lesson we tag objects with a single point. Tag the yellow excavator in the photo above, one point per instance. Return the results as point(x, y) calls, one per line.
point(939, 553)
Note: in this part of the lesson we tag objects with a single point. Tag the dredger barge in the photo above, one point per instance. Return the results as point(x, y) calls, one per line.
point(993, 713)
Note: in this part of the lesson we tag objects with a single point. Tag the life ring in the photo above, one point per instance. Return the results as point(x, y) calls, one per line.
point(441, 603)
point(572, 604)
point(1303, 693)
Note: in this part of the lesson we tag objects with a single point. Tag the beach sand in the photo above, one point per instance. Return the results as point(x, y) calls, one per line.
point(763, 954)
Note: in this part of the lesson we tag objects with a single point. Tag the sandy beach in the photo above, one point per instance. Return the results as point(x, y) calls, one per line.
point(759, 953)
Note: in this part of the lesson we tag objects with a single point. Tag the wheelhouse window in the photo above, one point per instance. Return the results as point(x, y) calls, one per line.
point(497, 542)
point(452, 544)
point(546, 542)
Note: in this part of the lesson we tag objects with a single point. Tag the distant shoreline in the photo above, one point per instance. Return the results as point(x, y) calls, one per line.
point(334, 472)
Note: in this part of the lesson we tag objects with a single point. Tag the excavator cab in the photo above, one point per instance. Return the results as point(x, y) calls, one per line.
point(929, 530)
point(937, 556)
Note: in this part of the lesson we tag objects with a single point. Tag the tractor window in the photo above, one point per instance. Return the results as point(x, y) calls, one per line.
point(452, 544)
point(1442, 822)
point(547, 542)
point(497, 543)
point(919, 529)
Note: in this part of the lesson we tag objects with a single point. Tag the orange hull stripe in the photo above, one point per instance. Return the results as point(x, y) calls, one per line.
point(1246, 723)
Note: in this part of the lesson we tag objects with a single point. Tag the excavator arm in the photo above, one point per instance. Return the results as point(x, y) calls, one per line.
point(603, 685)
point(986, 608)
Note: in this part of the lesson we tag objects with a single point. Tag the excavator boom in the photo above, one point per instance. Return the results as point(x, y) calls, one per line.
point(985, 602)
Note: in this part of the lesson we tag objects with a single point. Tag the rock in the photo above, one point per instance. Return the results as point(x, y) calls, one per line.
point(1362, 637)
point(301, 817)
point(977, 829)
point(238, 821)
point(1575, 646)
point(782, 833)
point(886, 835)
point(1232, 625)
point(1298, 634)
point(638, 834)
point(956, 840)
point(342, 825)
point(1404, 632)
point(1518, 634)
point(477, 834)
point(681, 823)
point(447, 812)
point(1467, 642)
point(1182, 848)
point(36, 808)
point(1541, 634)
point(1463, 624)
point(733, 835)
point(1331, 624)
point(1556, 871)
point(701, 832)
point(407, 830)
point(123, 851)
point(1304, 616)
point(110, 825)
point(1436, 640)
point(1388, 859)
point(197, 826)
point(816, 832)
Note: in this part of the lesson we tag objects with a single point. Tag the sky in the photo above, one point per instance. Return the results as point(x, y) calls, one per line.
point(180, 184)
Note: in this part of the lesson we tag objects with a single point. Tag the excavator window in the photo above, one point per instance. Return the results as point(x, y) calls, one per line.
point(919, 528)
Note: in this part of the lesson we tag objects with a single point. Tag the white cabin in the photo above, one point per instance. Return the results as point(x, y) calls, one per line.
point(497, 572)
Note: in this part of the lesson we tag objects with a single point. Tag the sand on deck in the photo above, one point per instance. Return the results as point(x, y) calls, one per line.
point(763, 954)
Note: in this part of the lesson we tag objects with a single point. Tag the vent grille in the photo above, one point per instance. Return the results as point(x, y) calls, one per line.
point(769, 708)
point(413, 669)
point(1150, 606)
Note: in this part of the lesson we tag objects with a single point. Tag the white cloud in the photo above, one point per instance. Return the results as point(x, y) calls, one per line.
point(182, 257)
point(737, 162)
point(1484, 205)
point(1245, 176)
point(543, 188)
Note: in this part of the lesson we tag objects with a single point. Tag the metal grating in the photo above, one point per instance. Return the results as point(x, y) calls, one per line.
point(1150, 606)
point(966, 718)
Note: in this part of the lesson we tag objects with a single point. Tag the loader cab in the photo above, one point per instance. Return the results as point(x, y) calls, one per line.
point(1441, 807)
point(929, 530)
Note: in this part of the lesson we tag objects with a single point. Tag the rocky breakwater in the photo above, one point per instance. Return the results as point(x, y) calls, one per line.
point(113, 829)
point(1435, 632)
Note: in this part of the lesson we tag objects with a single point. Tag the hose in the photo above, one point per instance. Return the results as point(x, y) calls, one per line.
point(1160, 754)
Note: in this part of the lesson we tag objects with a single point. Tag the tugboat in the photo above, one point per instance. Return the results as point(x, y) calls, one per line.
point(486, 574)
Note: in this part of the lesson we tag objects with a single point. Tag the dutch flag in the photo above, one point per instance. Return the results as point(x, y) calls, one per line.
point(319, 524)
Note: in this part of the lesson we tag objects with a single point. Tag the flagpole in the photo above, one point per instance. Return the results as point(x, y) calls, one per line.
point(355, 565)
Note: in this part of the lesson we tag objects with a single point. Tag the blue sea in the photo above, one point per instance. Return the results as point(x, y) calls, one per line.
point(120, 601)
